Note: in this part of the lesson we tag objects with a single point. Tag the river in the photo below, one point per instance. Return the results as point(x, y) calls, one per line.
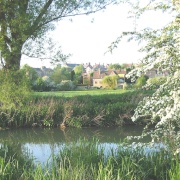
point(42, 143)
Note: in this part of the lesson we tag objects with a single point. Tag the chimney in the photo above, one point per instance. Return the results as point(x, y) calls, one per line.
point(99, 70)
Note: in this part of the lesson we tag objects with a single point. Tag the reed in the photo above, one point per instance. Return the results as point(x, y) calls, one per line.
point(79, 111)
point(88, 160)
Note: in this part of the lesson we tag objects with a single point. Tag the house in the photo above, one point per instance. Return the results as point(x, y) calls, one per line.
point(99, 75)
point(43, 71)
point(99, 66)
point(86, 65)
point(97, 78)
point(89, 69)
point(121, 77)
point(69, 65)
point(154, 73)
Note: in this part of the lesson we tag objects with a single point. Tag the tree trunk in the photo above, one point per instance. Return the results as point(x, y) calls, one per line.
point(12, 62)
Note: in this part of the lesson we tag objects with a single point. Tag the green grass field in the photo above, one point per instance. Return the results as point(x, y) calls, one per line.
point(79, 93)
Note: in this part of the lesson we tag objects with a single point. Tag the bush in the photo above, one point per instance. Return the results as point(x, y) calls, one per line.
point(110, 81)
point(14, 89)
point(127, 86)
point(44, 84)
point(65, 86)
point(141, 81)
point(155, 82)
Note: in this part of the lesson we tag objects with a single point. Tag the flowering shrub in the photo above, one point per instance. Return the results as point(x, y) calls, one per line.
point(154, 83)
point(162, 48)
point(163, 108)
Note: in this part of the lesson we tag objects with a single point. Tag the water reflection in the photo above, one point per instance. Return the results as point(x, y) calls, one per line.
point(56, 135)
point(45, 142)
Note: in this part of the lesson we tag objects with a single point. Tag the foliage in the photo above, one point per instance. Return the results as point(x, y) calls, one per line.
point(47, 85)
point(78, 79)
point(87, 80)
point(65, 86)
point(125, 162)
point(86, 159)
point(110, 81)
point(129, 69)
point(77, 111)
point(127, 86)
point(78, 74)
point(72, 75)
point(39, 84)
point(154, 83)
point(162, 48)
point(30, 73)
point(24, 26)
point(114, 66)
point(14, 89)
point(14, 161)
point(78, 69)
point(59, 74)
point(140, 82)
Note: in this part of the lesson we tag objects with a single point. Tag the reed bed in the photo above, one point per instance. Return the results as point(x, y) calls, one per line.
point(88, 160)
point(77, 111)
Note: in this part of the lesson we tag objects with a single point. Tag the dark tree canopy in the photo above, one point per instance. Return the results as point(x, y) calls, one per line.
point(24, 21)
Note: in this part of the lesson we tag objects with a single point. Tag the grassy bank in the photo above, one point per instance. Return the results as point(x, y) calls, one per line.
point(113, 108)
point(87, 160)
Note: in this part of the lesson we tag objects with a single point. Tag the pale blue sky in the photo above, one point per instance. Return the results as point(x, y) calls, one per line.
point(87, 37)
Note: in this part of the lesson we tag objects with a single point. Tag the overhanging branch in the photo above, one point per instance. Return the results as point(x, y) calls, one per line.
point(71, 15)
point(43, 11)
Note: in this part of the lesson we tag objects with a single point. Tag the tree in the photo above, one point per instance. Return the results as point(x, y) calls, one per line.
point(39, 84)
point(78, 69)
point(78, 74)
point(30, 73)
point(59, 74)
point(156, 82)
point(72, 75)
point(114, 66)
point(23, 24)
point(162, 47)
point(110, 81)
point(141, 81)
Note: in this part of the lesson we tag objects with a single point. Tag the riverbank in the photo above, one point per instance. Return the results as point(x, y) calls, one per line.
point(52, 110)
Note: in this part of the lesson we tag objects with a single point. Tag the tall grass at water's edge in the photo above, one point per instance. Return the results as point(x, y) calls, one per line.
point(87, 160)
point(79, 111)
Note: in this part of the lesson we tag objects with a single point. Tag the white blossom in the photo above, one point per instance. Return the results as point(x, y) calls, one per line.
point(163, 53)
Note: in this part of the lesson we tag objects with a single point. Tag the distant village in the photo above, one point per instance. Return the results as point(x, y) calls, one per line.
point(94, 74)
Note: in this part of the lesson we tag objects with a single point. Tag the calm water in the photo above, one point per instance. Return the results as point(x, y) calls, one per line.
point(44, 142)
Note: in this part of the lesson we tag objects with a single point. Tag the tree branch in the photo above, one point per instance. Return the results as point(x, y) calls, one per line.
point(70, 15)
point(43, 11)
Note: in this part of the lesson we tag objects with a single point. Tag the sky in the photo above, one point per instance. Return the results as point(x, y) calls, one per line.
point(87, 38)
